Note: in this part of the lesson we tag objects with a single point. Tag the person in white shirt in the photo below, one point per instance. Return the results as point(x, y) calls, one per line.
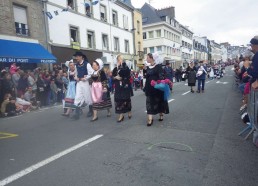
point(26, 105)
point(83, 93)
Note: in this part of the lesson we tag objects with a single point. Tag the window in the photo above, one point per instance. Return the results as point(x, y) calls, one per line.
point(165, 33)
point(114, 17)
point(144, 19)
point(127, 46)
point(151, 34)
point(125, 22)
point(145, 50)
point(159, 48)
point(74, 34)
point(91, 39)
point(20, 19)
point(116, 44)
point(71, 4)
point(144, 35)
point(158, 33)
point(151, 49)
point(88, 8)
point(103, 16)
point(138, 27)
point(105, 42)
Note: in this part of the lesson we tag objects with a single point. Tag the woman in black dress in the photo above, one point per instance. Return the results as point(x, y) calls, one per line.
point(191, 72)
point(123, 92)
point(155, 102)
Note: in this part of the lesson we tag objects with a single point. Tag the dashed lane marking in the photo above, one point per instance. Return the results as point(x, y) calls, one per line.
point(185, 93)
point(46, 161)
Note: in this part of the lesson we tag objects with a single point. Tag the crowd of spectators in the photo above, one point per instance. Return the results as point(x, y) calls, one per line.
point(25, 90)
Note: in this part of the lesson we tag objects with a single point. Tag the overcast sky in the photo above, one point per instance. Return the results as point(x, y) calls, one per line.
point(221, 20)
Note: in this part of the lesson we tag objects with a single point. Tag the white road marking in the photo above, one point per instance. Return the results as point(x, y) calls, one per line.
point(46, 161)
point(207, 81)
point(186, 84)
point(171, 100)
point(186, 93)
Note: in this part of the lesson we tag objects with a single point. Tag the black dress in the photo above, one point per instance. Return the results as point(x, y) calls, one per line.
point(191, 72)
point(106, 103)
point(122, 89)
point(155, 102)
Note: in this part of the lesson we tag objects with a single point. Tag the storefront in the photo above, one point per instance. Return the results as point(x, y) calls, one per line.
point(26, 54)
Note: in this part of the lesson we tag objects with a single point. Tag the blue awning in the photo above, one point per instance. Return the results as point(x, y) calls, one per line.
point(24, 52)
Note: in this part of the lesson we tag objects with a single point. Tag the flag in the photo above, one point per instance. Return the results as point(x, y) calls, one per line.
point(65, 10)
point(49, 15)
point(95, 2)
point(56, 12)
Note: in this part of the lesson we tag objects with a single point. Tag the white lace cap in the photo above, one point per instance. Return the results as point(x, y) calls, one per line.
point(100, 62)
point(157, 57)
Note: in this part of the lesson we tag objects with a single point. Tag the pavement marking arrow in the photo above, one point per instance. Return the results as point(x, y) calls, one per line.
point(4, 135)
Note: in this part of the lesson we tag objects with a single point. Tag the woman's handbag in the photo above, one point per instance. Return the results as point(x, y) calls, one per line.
point(96, 92)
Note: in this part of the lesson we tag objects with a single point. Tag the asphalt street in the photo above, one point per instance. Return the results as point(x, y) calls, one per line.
point(196, 145)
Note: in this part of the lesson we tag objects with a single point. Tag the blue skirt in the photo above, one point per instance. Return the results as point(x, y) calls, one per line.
point(71, 89)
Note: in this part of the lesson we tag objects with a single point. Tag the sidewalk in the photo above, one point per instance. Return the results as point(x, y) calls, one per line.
point(233, 161)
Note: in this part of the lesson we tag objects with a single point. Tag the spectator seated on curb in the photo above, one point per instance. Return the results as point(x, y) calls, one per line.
point(31, 97)
point(25, 105)
point(12, 109)
point(4, 104)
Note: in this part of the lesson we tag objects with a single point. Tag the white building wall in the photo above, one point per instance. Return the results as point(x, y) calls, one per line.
point(59, 26)
point(170, 47)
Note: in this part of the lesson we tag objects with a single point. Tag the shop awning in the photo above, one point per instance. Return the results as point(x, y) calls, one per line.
point(24, 52)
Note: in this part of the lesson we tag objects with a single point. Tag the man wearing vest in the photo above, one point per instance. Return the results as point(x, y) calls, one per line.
point(83, 92)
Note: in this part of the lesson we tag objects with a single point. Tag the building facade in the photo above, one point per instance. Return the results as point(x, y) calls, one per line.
point(187, 45)
point(161, 32)
point(100, 30)
point(200, 46)
point(23, 21)
point(216, 53)
point(138, 40)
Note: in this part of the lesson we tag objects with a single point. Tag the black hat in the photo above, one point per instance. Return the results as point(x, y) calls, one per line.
point(254, 40)
point(79, 53)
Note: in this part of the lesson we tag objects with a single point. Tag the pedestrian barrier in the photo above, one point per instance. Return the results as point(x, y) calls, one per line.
point(252, 111)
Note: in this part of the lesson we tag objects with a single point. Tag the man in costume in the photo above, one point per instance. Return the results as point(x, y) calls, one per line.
point(83, 92)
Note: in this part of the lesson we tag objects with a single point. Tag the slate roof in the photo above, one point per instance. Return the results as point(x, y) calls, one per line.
point(151, 15)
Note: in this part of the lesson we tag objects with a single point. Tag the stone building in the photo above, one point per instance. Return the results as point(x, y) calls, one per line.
point(23, 21)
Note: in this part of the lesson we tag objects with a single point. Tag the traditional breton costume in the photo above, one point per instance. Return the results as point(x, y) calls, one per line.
point(155, 102)
point(71, 88)
point(101, 99)
point(83, 90)
point(123, 89)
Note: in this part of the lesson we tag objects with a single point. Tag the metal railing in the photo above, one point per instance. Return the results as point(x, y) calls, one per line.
point(252, 111)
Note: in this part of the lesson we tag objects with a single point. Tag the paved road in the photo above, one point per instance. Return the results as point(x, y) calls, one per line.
point(197, 145)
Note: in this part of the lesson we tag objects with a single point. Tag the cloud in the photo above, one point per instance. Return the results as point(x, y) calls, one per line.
point(219, 20)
